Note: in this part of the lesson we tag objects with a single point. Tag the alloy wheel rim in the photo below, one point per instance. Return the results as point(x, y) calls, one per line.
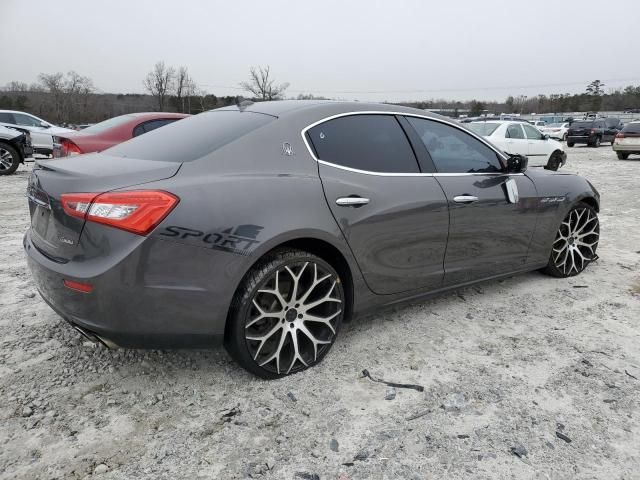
point(576, 242)
point(6, 159)
point(293, 317)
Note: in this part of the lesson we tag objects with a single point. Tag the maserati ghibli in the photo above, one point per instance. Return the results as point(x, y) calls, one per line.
point(268, 225)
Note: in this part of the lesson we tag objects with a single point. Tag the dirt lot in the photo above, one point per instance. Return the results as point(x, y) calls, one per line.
point(546, 368)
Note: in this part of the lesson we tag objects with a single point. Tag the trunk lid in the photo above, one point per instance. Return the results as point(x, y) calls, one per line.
point(55, 233)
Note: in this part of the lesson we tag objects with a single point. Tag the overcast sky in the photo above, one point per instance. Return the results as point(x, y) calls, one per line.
point(364, 49)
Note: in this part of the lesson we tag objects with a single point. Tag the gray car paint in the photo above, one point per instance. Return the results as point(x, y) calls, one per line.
point(174, 287)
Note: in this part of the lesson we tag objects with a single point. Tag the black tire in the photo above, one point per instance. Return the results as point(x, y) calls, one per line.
point(582, 255)
point(570, 144)
point(9, 159)
point(277, 348)
point(554, 162)
point(596, 142)
point(622, 155)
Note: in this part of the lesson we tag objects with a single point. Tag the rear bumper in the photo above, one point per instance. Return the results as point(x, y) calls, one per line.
point(626, 148)
point(580, 139)
point(136, 304)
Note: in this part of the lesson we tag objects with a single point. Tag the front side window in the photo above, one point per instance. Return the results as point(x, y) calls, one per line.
point(532, 133)
point(453, 150)
point(26, 120)
point(374, 143)
point(514, 131)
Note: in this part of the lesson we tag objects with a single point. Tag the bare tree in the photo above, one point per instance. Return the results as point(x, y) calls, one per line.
point(158, 82)
point(14, 86)
point(181, 84)
point(54, 84)
point(262, 86)
point(77, 90)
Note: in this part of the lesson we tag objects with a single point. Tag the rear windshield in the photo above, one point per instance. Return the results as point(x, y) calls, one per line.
point(483, 128)
point(107, 124)
point(632, 128)
point(193, 137)
point(585, 124)
point(554, 125)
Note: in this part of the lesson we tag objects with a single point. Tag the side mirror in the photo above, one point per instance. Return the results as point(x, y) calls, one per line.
point(45, 125)
point(517, 163)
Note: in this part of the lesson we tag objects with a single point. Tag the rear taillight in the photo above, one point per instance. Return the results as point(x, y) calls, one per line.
point(593, 130)
point(619, 135)
point(134, 211)
point(69, 148)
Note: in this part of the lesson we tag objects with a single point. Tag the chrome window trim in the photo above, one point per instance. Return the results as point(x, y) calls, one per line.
point(303, 133)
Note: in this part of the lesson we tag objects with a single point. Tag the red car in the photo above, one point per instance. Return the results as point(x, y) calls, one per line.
point(116, 130)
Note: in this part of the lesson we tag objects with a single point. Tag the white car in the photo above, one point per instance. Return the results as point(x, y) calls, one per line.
point(537, 123)
point(556, 130)
point(627, 141)
point(524, 139)
point(42, 132)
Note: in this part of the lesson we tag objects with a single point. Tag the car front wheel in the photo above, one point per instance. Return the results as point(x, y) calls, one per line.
point(286, 314)
point(9, 159)
point(576, 242)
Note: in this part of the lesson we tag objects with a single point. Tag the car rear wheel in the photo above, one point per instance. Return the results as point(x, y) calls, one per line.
point(576, 242)
point(286, 314)
point(570, 144)
point(622, 156)
point(9, 159)
point(596, 142)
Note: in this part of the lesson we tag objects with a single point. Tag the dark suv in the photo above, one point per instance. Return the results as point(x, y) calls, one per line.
point(593, 132)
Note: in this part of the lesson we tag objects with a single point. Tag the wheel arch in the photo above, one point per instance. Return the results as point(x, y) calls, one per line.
point(315, 245)
point(591, 201)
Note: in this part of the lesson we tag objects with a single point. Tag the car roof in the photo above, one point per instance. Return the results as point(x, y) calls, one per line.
point(284, 108)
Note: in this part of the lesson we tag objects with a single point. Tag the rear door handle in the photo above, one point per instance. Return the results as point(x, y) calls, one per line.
point(352, 201)
point(465, 199)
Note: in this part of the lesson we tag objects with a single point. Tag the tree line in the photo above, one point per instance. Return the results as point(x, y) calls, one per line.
point(72, 98)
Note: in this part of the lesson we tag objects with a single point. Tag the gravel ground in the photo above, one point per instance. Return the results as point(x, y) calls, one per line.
point(528, 377)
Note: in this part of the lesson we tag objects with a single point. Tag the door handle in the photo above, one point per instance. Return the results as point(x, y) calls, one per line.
point(352, 201)
point(465, 199)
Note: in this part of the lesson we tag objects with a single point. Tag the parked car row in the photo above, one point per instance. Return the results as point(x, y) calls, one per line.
point(23, 134)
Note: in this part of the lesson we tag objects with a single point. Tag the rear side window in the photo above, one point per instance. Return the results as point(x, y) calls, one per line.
point(483, 128)
point(193, 137)
point(514, 131)
point(453, 150)
point(632, 128)
point(374, 143)
point(6, 117)
point(152, 125)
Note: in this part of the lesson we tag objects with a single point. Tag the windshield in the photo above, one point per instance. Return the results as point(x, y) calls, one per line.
point(483, 128)
point(107, 124)
point(193, 137)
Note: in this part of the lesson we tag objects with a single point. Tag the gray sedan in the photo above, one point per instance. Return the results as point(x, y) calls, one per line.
point(268, 225)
